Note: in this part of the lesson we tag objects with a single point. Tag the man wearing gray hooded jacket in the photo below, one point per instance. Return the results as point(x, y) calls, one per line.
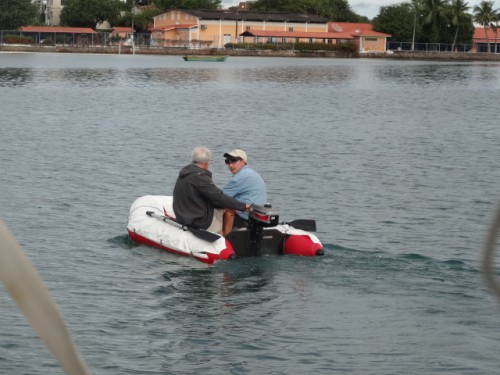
point(197, 201)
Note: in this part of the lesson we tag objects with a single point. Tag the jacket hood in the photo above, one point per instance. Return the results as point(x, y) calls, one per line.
point(193, 168)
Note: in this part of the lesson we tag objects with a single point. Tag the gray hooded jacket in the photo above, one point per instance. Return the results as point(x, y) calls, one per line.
point(195, 196)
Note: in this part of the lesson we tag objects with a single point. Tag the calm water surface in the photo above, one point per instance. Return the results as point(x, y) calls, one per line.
point(398, 161)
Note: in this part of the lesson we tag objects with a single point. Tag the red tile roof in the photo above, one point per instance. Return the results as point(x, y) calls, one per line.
point(120, 29)
point(480, 35)
point(371, 33)
point(355, 29)
point(296, 34)
point(348, 26)
point(173, 27)
point(251, 16)
point(57, 29)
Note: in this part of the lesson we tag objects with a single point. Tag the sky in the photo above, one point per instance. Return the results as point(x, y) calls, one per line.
point(370, 8)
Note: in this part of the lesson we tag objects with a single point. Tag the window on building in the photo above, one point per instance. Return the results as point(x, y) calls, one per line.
point(290, 29)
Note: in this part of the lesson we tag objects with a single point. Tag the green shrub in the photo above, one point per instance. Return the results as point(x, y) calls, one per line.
point(342, 47)
point(270, 46)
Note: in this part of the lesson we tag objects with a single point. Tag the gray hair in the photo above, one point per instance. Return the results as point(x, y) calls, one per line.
point(201, 155)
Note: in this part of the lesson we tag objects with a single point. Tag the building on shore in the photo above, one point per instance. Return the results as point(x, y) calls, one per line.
point(215, 29)
point(122, 32)
point(363, 35)
point(197, 29)
point(57, 35)
point(53, 12)
point(486, 40)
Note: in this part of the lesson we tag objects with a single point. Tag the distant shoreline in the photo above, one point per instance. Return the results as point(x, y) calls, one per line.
point(115, 50)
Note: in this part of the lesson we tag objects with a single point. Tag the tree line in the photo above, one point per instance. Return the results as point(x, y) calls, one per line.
point(419, 21)
point(436, 21)
point(88, 13)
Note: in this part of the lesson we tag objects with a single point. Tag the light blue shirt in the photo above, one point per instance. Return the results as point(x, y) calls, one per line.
point(247, 186)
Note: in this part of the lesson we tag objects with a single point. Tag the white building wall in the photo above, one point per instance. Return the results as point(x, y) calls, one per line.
point(53, 12)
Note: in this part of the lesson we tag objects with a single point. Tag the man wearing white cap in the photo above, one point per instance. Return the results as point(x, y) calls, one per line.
point(197, 201)
point(246, 186)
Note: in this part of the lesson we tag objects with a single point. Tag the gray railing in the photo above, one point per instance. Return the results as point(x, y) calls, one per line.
point(72, 39)
point(444, 47)
point(144, 40)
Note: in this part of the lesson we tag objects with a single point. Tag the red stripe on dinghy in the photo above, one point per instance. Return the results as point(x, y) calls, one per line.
point(301, 245)
point(228, 252)
point(225, 254)
point(146, 241)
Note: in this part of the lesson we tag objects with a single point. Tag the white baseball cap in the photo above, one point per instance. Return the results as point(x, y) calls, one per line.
point(236, 154)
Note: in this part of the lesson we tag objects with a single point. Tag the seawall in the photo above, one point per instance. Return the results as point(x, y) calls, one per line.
point(439, 56)
point(115, 50)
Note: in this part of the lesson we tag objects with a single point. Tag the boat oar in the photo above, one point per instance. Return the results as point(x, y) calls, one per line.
point(200, 233)
point(32, 297)
point(304, 224)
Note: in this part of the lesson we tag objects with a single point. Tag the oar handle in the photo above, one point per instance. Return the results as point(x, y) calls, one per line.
point(200, 233)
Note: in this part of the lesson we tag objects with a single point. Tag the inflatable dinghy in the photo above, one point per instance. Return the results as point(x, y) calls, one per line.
point(152, 222)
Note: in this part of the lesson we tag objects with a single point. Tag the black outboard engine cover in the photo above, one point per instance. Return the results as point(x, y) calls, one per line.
point(259, 238)
point(259, 218)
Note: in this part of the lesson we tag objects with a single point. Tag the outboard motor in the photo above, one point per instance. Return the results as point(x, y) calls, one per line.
point(264, 235)
point(260, 217)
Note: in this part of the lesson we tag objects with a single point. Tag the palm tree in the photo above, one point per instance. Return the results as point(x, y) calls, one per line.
point(458, 11)
point(416, 8)
point(495, 28)
point(485, 15)
point(434, 13)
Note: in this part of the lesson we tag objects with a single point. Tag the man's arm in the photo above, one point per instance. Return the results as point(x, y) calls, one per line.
point(220, 200)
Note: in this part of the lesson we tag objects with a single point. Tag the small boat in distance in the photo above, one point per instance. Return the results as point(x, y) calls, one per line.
point(218, 58)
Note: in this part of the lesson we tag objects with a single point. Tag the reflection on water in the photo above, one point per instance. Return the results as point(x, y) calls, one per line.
point(298, 75)
point(14, 77)
point(84, 77)
point(433, 74)
point(170, 77)
point(356, 74)
point(160, 77)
